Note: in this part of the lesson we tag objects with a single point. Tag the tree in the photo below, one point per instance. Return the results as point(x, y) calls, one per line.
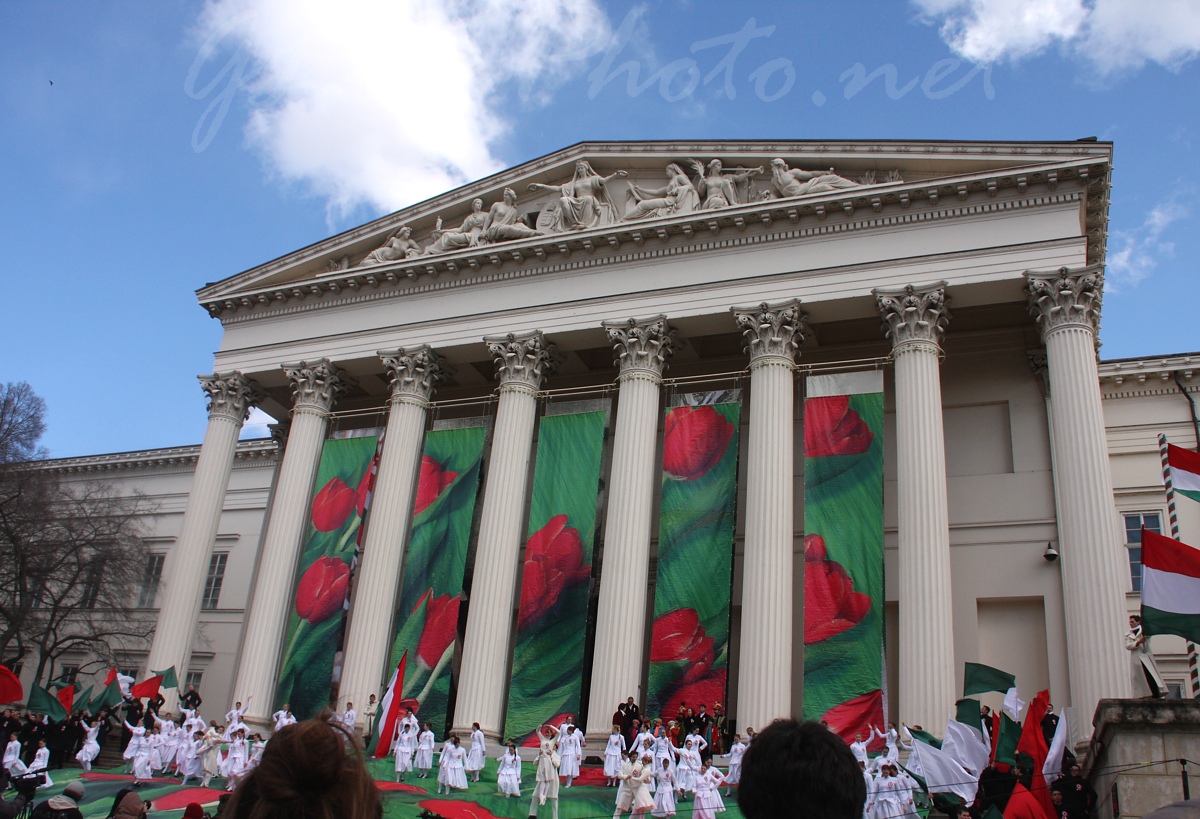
point(71, 554)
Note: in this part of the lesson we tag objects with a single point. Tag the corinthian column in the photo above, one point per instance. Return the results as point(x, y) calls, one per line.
point(773, 334)
point(1066, 305)
point(315, 386)
point(642, 347)
point(521, 363)
point(230, 396)
point(915, 319)
point(414, 373)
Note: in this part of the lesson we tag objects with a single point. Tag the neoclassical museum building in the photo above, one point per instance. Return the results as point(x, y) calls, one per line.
point(773, 427)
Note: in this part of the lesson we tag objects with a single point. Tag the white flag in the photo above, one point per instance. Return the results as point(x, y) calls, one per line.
point(1013, 704)
point(1052, 768)
point(966, 747)
point(942, 774)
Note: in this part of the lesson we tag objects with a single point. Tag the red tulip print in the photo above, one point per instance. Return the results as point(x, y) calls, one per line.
point(832, 428)
point(553, 562)
point(830, 603)
point(333, 505)
point(694, 441)
point(441, 627)
point(434, 478)
point(456, 809)
point(857, 715)
point(322, 589)
point(677, 636)
point(532, 740)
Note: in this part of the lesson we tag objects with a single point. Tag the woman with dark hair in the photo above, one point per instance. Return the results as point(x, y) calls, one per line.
point(310, 770)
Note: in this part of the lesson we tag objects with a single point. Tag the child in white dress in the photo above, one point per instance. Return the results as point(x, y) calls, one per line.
point(613, 753)
point(736, 751)
point(41, 763)
point(708, 793)
point(406, 743)
point(424, 759)
point(508, 778)
point(91, 748)
point(664, 792)
point(477, 756)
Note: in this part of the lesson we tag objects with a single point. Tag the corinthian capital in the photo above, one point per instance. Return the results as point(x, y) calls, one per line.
point(914, 314)
point(773, 332)
point(642, 346)
point(315, 384)
point(414, 372)
point(522, 360)
point(1058, 298)
point(230, 395)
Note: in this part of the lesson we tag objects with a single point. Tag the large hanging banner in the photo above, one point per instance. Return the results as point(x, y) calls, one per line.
point(427, 617)
point(689, 642)
point(547, 670)
point(318, 615)
point(843, 552)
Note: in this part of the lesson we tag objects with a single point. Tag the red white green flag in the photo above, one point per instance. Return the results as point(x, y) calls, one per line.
point(1185, 471)
point(1170, 587)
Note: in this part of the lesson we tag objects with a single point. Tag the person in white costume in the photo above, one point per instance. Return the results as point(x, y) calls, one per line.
point(283, 717)
point(893, 798)
point(1147, 682)
point(156, 742)
point(137, 753)
point(546, 786)
point(41, 763)
point(859, 748)
point(233, 718)
point(736, 751)
point(193, 759)
point(211, 758)
point(410, 718)
point(477, 755)
point(613, 752)
point(508, 777)
point(708, 793)
point(453, 774)
point(12, 756)
point(689, 768)
point(570, 751)
point(636, 797)
point(424, 758)
point(349, 717)
point(234, 764)
point(370, 712)
point(664, 790)
point(406, 744)
point(90, 750)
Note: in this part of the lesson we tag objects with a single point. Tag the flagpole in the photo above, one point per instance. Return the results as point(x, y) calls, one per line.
point(1173, 517)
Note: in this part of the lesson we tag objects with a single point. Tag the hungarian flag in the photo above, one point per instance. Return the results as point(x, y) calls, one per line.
point(1170, 587)
point(979, 679)
point(112, 675)
point(390, 709)
point(108, 697)
point(169, 680)
point(147, 688)
point(42, 701)
point(1185, 471)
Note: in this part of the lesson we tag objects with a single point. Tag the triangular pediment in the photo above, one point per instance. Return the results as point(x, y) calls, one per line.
point(594, 196)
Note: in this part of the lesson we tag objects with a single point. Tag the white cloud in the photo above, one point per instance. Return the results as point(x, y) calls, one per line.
point(387, 102)
point(258, 425)
point(1134, 254)
point(1111, 35)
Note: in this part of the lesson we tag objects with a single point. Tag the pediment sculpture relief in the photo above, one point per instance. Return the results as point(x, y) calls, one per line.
point(586, 201)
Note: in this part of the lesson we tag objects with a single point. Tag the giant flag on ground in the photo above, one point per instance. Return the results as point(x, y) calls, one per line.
point(1170, 587)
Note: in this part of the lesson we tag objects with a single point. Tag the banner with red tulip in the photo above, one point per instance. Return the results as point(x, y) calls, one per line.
point(843, 552)
point(689, 641)
point(432, 586)
point(547, 669)
point(314, 631)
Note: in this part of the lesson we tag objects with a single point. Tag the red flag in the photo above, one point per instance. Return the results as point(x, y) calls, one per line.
point(146, 688)
point(112, 675)
point(1033, 742)
point(66, 696)
point(391, 709)
point(11, 689)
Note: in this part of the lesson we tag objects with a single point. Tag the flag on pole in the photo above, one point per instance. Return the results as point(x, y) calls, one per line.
point(390, 709)
point(1013, 703)
point(1170, 587)
point(83, 697)
point(169, 680)
point(109, 696)
point(1052, 767)
point(42, 701)
point(942, 773)
point(967, 712)
point(924, 736)
point(1185, 470)
point(1005, 737)
point(1033, 743)
point(979, 679)
point(146, 688)
point(66, 696)
point(112, 675)
point(965, 745)
point(11, 689)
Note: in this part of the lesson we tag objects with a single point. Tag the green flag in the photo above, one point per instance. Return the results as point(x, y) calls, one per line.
point(979, 679)
point(1006, 745)
point(169, 680)
point(966, 711)
point(993, 812)
point(83, 698)
point(109, 696)
point(42, 701)
point(926, 737)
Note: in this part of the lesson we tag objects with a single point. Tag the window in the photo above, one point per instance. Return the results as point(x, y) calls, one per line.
point(1174, 689)
point(193, 678)
point(150, 580)
point(69, 674)
point(91, 590)
point(1134, 521)
point(212, 584)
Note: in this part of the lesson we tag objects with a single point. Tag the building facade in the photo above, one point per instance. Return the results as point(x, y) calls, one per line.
point(966, 278)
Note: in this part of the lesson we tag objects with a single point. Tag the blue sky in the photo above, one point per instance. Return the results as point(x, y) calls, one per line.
point(151, 147)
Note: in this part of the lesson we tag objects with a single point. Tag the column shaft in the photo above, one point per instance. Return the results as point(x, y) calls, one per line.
point(927, 689)
point(271, 602)
point(487, 646)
